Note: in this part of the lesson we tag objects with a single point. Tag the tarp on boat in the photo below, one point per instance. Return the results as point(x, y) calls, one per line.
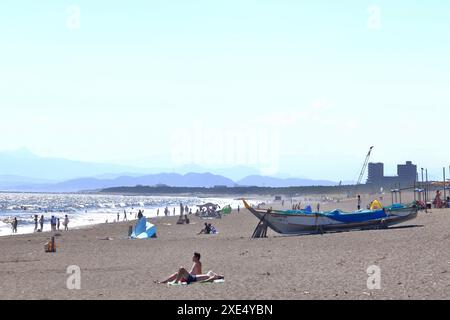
point(143, 230)
point(341, 216)
point(359, 216)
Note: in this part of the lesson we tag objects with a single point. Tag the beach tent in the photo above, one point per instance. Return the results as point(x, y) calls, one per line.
point(375, 205)
point(226, 210)
point(308, 209)
point(144, 230)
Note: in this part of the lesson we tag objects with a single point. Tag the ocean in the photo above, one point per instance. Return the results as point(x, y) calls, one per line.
point(89, 209)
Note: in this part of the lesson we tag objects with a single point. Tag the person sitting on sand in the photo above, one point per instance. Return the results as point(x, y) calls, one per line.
point(183, 275)
point(206, 230)
point(180, 220)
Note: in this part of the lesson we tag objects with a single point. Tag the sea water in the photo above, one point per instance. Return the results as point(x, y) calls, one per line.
point(89, 209)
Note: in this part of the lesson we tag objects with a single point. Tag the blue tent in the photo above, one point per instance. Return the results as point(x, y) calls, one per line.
point(144, 230)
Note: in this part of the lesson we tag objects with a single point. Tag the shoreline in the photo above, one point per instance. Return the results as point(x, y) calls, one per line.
point(83, 218)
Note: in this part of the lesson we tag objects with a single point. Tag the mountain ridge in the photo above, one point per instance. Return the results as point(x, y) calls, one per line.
point(22, 170)
point(205, 179)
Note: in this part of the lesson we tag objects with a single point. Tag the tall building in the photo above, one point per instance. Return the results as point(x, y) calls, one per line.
point(376, 173)
point(406, 175)
point(407, 172)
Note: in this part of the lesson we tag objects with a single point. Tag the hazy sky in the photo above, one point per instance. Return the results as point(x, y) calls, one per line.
point(297, 87)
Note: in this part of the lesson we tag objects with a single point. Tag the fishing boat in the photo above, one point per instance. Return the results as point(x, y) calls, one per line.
point(303, 222)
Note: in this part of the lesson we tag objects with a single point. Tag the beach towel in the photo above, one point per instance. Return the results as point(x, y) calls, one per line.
point(177, 284)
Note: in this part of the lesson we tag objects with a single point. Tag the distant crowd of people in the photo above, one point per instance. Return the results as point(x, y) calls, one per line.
point(39, 222)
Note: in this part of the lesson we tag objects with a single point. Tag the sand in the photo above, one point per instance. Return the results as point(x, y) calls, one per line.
point(414, 259)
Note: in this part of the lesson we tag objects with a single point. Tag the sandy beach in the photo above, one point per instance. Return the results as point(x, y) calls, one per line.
point(414, 260)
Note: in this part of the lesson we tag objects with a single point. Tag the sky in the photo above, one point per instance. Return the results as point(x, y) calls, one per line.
point(301, 88)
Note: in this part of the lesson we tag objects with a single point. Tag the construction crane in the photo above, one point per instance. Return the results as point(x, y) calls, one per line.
point(363, 170)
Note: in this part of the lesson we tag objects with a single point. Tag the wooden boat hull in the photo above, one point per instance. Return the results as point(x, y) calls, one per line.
point(316, 223)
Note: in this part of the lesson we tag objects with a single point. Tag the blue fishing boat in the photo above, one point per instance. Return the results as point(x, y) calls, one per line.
point(306, 222)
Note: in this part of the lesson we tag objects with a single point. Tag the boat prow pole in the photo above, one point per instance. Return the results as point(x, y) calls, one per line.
point(247, 206)
point(261, 215)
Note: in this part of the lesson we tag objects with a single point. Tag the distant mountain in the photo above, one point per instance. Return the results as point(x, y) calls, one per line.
point(233, 172)
point(264, 181)
point(10, 181)
point(170, 179)
point(21, 170)
point(24, 163)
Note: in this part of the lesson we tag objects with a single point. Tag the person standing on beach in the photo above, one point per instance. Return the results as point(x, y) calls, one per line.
point(59, 224)
point(186, 209)
point(166, 211)
point(66, 223)
point(157, 213)
point(14, 225)
point(173, 211)
point(41, 222)
point(239, 208)
point(118, 216)
point(181, 210)
point(36, 221)
point(53, 223)
point(125, 216)
point(359, 202)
